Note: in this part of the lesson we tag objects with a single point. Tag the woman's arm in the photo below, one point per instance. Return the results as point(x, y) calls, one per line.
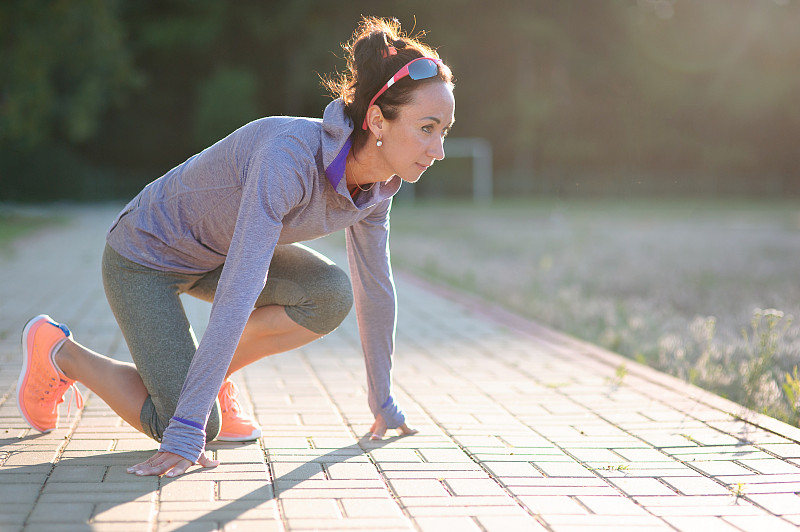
point(271, 187)
point(376, 311)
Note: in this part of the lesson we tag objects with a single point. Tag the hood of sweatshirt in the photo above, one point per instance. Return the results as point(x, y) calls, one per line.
point(336, 143)
point(337, 129)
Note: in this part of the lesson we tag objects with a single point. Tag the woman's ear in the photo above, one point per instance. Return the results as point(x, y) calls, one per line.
point(375, 120)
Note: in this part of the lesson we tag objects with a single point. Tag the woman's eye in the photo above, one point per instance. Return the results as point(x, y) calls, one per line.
point(427, 129)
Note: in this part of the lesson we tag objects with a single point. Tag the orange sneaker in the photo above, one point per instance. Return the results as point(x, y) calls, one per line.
point(236, 425)
point(41, 387)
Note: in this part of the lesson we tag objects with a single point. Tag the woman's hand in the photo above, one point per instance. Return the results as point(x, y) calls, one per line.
point(379, 428)
point(169, 464)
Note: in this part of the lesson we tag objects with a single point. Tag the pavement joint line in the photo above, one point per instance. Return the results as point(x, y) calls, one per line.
point(621, 458)
point(318, 381)
point(745, 466)
point(709, 476)
point(697, 398)
point(445, 487)
point(566, 395)
point(477, 523)
point(265, 456)
point(503, 441)
point(694, 399)
point(730, 487)
point(764, 450)
point(577, 500)
point(155, 508)
point(524, 327)
point(340, 506)
point(59, 452)
point(539, 469)
point(675, 458)
point(279, 514)
point(563, 450)
point(687, 464)
point(472, 457)
point(281, 517)
point(668, 431)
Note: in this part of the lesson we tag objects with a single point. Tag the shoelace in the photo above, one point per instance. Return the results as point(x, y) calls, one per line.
point(75, 396)
point(227, 397)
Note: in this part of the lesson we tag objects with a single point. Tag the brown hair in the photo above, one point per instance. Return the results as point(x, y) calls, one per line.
point(370, 64)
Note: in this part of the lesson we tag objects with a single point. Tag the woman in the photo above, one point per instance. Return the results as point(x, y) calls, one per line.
point(224, 226)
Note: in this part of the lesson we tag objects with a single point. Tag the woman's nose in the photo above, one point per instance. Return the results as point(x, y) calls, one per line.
point(437, 149)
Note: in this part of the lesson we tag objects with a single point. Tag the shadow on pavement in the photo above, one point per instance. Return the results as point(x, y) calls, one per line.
point(100, 478)
point(251, 500)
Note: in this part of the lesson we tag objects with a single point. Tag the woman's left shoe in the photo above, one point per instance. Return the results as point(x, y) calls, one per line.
point(41, 387)
point(236, 425)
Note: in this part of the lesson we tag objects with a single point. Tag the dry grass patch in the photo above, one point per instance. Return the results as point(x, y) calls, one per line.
point(704, 290)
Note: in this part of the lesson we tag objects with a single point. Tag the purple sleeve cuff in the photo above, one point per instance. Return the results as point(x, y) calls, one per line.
point(392, 414)
point(187, 422)
point(184, 438)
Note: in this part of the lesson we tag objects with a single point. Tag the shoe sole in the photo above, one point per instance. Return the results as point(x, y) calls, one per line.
point(24, 372)
point(256, 434)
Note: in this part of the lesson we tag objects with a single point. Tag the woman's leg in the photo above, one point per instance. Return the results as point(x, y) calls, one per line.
point(150, 315)
point(116, 383)
point(268, 331)
point(306, 296)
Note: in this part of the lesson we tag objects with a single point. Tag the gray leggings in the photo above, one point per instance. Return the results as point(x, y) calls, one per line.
point(315, 293)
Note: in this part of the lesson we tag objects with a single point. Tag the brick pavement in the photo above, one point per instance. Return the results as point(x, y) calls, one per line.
point(520, 429)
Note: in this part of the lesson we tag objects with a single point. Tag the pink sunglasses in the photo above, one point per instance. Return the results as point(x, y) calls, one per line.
point(419, 68)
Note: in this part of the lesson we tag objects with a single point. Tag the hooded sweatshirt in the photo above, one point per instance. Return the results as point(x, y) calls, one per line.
point(276, 180)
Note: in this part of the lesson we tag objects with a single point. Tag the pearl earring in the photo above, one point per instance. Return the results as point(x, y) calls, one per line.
point(379, 143)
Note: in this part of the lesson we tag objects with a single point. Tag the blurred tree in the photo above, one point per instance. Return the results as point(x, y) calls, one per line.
point(62, 65)
point(614, 96)
point(226, 101)
point(713, 85)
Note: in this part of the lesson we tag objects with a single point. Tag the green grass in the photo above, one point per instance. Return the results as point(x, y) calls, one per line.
point(704, 290)
point(15, 225)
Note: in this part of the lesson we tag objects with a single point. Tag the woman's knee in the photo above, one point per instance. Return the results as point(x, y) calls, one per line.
point(155, 418)
point(337, 299)
point(329, 298)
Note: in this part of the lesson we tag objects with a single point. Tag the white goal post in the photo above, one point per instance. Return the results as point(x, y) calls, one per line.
point(480, 151)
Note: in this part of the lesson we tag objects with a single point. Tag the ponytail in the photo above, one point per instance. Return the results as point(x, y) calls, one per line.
point(377, 50)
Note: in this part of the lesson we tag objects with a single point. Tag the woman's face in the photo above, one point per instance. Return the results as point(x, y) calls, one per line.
point(415, 139)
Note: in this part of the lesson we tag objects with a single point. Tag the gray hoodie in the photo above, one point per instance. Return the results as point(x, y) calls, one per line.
point(276, 180)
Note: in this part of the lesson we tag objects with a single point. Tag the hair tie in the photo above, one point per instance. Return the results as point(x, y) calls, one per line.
point(391, 50)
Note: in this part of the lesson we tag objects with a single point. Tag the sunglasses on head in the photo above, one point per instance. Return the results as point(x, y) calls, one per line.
point(419, 68)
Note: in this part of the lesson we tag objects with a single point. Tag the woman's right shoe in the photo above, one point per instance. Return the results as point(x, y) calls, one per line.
point(41, 387)
point(236, 425)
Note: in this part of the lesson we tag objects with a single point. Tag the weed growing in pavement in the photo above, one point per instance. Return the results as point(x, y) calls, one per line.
point(619, 375)
point(621, 372)
point(619, 467)
point(739, 490)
